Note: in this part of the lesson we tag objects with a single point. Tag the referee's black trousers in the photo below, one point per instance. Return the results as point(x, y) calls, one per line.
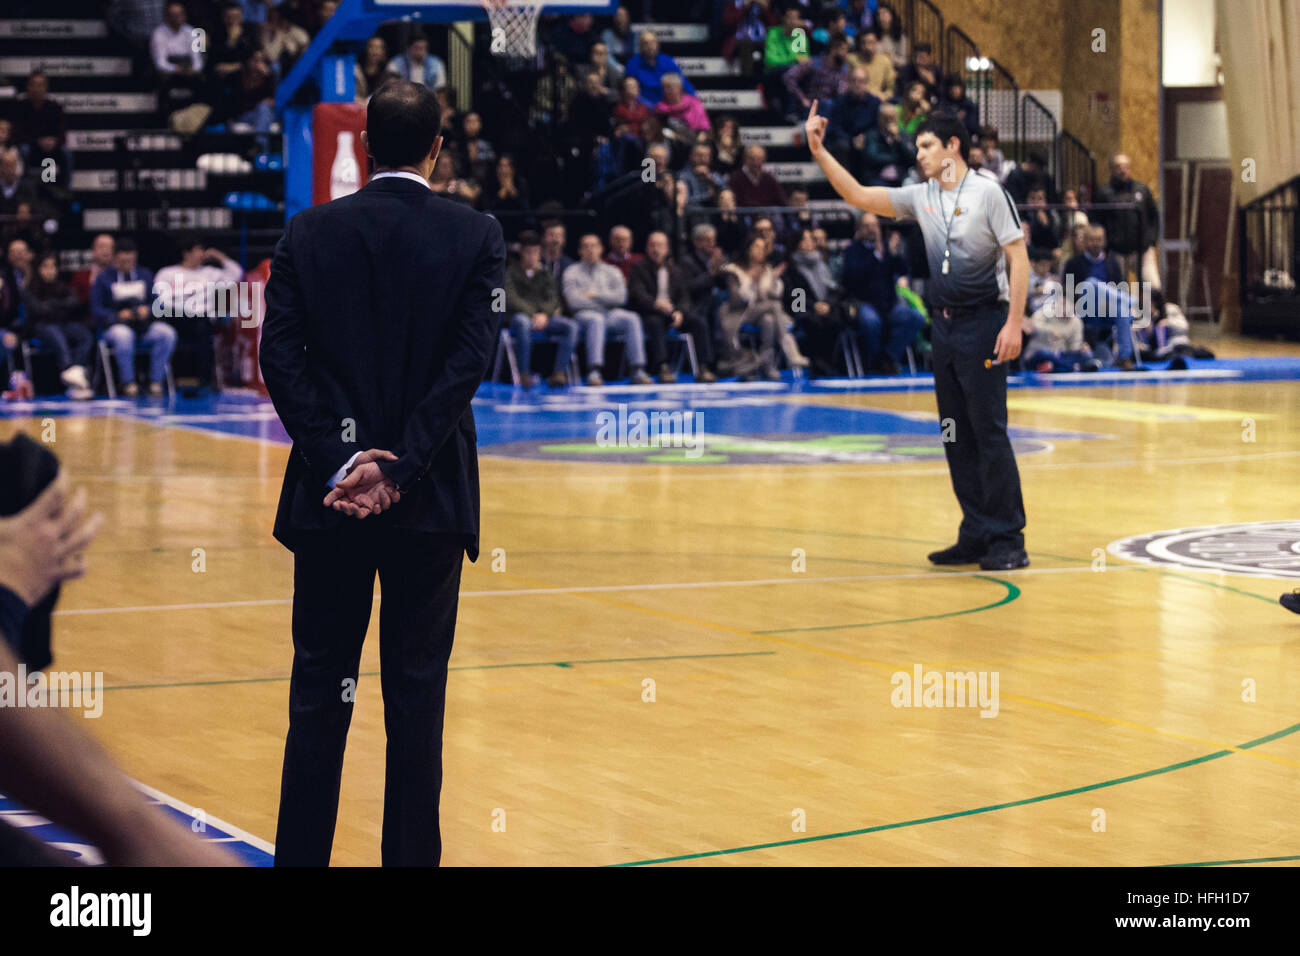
point(333, 593)
point(972, 403)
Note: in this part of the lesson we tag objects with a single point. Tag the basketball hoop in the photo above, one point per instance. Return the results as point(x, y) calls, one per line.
point(514, 26)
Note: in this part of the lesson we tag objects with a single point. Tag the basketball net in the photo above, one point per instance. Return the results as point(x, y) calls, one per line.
point(514, 26)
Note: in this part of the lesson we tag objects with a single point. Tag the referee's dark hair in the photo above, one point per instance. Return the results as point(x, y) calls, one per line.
point(946, 126)
point(402, 121)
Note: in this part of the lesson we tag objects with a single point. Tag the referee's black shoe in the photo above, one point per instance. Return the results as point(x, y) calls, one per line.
point(958, 554)
point(1004, 560)
point(1291, 601)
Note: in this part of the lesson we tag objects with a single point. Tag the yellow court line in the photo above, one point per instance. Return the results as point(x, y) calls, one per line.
point(1071, 711)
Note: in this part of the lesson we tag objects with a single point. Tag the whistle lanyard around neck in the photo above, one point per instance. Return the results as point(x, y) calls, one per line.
point(947, 231)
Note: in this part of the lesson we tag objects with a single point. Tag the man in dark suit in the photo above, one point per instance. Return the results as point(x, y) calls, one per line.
point(378, 329)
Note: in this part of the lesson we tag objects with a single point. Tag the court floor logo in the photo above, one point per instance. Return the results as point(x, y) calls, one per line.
point(774, 449)
point(1269, 549)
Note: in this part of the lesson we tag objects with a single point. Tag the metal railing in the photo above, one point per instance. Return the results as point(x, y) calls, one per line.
point(1038, 133)
point(959, 51)
point(1268, 230)
point(1078, 166)
point(923, 23)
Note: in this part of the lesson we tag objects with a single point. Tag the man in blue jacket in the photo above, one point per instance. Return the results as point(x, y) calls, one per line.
point(649, 67)
point(886, 324)
point(121, 304)
point(853, 116)
point(1101, 296)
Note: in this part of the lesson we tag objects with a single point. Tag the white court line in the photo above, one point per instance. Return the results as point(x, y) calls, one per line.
point(217, 822)
point(600, 588)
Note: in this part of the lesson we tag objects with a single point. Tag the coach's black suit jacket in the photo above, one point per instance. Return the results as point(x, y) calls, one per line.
point(379, 316)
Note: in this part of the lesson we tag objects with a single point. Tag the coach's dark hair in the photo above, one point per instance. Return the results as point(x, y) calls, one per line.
point(402, 121)
point(946, 126)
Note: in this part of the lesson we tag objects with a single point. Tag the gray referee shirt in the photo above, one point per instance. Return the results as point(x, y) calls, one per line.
point(983, 222)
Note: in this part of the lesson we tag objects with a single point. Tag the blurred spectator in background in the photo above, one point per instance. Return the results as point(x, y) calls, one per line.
point(1032, 173)
point(887, 325)
point(631, 110)
point(785, 46)
point(101, 257)
point(51, 317)
point(754, 297)
point(649, 67)
point(1056, 342)
point(732, 227)
point(893, 41)
point(15, 188)
point(596, 293)
point(922, 69)
point(38, 121)
point(994, 161)
point(121, 306)
point(620, 253)
point(678, 106)
point(618, 37)
point(657, 290)
point(370, 68)
point(507, 193)
point(752, 184)
point(607, 72)
point(881, 75)
point(231, 45)
point(702, 183)
point(573, 37)
point(914, 110)
point(533, 305)
point(1132, 231)
point(172, 47)
point(822, 78)
point(744, 27)
point(554, 259)
point(1045, 229)
point(418, 65)
point(252, 100)
point(475, 154)
point(1099, 299)
point(853, 117)
point(815, 301)
point(729, 151)
point(953, 99)
point(1074, 216)
point(448, 182)
point(196, 296)
point(15, 273)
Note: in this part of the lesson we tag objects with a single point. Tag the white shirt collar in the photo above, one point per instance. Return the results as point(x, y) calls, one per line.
point(404, 175)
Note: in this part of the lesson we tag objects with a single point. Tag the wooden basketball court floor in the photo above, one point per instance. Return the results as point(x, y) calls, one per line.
point(645, 676)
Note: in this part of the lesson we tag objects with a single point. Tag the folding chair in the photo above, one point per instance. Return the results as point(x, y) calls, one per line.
point(106, 367)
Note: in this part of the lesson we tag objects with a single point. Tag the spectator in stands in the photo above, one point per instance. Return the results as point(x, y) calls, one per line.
point(196, 297)
point(744, 26)
point(596, 293)
point(834, 259)
point(620, 254)
point(823, 78)
point(251, 101)
point(649, 67)
point(533, 305)
point(631, 110)
point(554, 259)
point(607, 72)
point(732, 228)
point(232, 45)
point(121, 305)
point(678, 106)
point(15, 188)
point(701, 266)
point(1074, 216)
point(475, 154)
point(370, 69)
point(729, 151)
point(1056, 342)
point(618, 37)
point(859, 17)
point(1076, 241)
point(15, 273)
point(1099, 299)
point(572, 38)
point(51, 316)
point(418, 65)
point(752, 184)
point(657, 290)
point(702, 183)
point(953, 99)
point(26, 226)
point(834, 23)
point(922, 69)
point(172, 46)
point(325, 9)
point(785, 46)
point(1030, 174)
point(994, 161)
point(889, 30)
point(815, 300)
point(1045, 229)
point(854, 115)
point(7, 140)
point(766, 229)
point(283, 41)
point(754, 297)
point(38, 121)
point(448, 182)
point(1131, 231)
point(654, 133)
point(589, 118)
point(887, 325)
point(555, 90)
point(881, 74)
point(507, 193)
point(914, 109)
point(101, 257)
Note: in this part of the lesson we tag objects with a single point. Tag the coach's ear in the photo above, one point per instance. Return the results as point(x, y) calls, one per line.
point(434, 150)
point(365, 144)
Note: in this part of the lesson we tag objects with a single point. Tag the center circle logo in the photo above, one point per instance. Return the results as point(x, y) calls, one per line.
point(1267, 549)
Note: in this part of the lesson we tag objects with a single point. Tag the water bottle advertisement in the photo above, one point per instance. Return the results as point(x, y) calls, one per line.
point(339, 164)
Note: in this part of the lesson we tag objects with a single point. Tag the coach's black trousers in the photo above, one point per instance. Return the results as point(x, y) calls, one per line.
point(333, 582)
point(973, 413)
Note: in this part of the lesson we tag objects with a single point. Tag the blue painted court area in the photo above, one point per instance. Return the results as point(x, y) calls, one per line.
point(248, 848)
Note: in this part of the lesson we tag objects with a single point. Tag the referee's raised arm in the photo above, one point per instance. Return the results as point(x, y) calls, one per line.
point(873, 199)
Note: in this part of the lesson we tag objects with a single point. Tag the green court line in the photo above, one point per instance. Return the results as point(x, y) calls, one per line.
point(1012, 593)
point(1181, 765)
point(1262, 859)
point(467, 667)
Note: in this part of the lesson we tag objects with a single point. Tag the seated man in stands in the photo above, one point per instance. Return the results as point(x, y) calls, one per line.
point(921, 69)
point(596, 293)
point(533, 305)
point(554, 259)
point(824, 78)
point(418, 65)
point(853, 117)
point(887, 325)
point(752, 184)
point(657, 290)
point(197, 296)
point(702, 183)
point(121, 305)
point(1100, 296)
point(815, 301)
point(101, 257)
point(650, 66)
point(1056, 342)
point(175, 52)
point(620, 252)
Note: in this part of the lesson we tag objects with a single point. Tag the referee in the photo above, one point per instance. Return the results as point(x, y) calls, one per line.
point(973, 238)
